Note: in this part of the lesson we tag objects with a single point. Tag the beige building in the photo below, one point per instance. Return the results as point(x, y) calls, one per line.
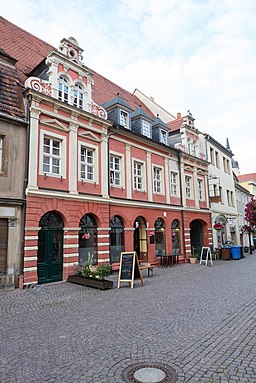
point(12, 172)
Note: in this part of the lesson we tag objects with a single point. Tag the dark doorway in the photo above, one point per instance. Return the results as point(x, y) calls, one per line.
point(50, 249)
point(3, 244)
point(140, 239)
point(88, 240)
point(196, 237)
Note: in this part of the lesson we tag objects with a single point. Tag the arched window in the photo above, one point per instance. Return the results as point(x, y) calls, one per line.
point(88, 239)
point(78, 96)
point(63, 89)
point(116, 238)
point(175, 236)
point(160, 237)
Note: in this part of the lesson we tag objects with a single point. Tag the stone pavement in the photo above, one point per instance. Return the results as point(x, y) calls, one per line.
point(198, 320)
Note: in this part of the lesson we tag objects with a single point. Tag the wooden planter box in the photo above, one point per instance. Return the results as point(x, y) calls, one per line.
point(90, 282)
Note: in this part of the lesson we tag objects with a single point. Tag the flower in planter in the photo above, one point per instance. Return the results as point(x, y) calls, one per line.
point(87, 270)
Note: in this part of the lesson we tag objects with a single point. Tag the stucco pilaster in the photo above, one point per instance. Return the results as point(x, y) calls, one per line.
point(128, 171)
point(73, 156)
point(149, 174)
point(33, 148)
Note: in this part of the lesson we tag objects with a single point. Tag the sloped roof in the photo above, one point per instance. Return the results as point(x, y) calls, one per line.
point(140, 112)
point(159, 122)
point(175, 125)
point(30, 51)
point(10, 90)
point(116, 101)
point(247, 177)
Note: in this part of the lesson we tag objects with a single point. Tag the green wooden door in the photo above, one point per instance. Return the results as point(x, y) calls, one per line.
point(50, 255)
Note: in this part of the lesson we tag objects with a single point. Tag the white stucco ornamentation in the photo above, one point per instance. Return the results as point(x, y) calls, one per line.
point(98, 110)
point(39, 85)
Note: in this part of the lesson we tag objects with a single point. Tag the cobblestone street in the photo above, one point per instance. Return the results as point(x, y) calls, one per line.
point(196, 319)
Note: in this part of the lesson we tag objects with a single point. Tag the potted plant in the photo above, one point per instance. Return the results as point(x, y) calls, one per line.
point(193, 259)
point(92, 276)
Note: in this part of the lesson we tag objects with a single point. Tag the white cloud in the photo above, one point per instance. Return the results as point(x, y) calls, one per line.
point(187, 54)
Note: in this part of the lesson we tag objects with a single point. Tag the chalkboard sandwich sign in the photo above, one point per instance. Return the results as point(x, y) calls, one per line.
point(206, 256)
point(129, 268)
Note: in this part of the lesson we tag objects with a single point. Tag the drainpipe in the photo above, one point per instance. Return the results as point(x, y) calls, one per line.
point(182, 207)
point(25, 184)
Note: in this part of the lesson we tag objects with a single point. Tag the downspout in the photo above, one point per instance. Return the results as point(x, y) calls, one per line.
point(182, 207)
point(25, 184)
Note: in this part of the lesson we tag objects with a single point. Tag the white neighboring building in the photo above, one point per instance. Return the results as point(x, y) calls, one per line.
point(154, 107)
point(242, 198)
point(222, 193)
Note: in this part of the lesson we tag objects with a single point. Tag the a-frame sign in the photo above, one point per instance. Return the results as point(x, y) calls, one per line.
point(129, 268)
point(206, 256)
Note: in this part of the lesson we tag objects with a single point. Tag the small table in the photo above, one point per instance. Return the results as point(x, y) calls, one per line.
point(166, 260)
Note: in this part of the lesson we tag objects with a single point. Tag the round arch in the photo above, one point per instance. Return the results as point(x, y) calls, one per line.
point(116, 238)
point(88, 239)
point(160, 237)
point(140, 244)
point(50, 248)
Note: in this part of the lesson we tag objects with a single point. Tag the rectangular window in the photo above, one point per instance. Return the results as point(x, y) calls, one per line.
point(228, 197)
point(163, 136)
point(51, 155)
point(174, 179)
point(124, 119)
point(220, 194)
point(200, 189)
point(217, 161)
point(138, 175)
point(157, 176)
point(146, 128)
point(188, 186)
point(87, 164)
point(228, 167)
point(232, 198)
point(212, 156)
point(224, 165)
point(115, 170)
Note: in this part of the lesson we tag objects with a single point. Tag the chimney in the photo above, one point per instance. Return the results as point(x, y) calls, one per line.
point(178, 116)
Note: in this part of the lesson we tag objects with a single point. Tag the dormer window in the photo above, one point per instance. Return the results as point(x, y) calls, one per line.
point(163, 137)
point(78, 96)
point(63, 89)
point(145, 128)
point(124, 119)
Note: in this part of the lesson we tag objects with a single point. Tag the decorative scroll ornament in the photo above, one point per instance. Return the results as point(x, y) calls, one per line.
point(39, 85)
point(98, 111)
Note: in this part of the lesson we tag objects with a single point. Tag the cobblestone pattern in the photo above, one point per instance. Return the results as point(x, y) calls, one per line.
point(198, 320)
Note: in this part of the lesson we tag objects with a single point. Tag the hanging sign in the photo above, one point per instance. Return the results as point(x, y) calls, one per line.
point(129, 268)
point(86, 236)
point(218, 226)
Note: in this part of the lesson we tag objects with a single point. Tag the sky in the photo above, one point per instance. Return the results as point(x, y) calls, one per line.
point(197, 55)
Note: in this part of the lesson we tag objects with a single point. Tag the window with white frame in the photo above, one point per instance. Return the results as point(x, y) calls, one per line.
point(124, 119)
point(78, 96)
point(188, 184)
point(174, 184)
point(63, 89)
point(138, 170)
point(51, 155)
point(163, 136)
point(200, 189)
point(146, 128)
point(115, 170)
point(157, 178)
point(87, 164)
